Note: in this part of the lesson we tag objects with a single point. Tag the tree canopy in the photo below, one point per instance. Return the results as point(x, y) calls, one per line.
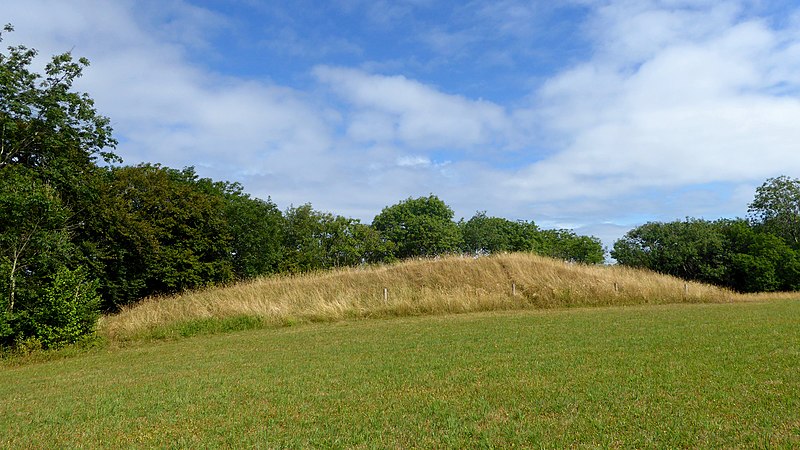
point(44, 122)
point(776, 208)
point(730, 253)
point(484, 234)
point(419, 227)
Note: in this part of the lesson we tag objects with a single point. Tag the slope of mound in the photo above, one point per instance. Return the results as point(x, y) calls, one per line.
point(428, 286)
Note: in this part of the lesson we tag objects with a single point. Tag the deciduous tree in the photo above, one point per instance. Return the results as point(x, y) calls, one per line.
point(256, 229)
point(483, 234)
point(419, 227)
point(776, 208)
point(691, 249)
point(160, 231)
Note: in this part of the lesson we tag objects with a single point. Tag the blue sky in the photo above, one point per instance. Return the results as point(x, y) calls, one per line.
point(592, 115)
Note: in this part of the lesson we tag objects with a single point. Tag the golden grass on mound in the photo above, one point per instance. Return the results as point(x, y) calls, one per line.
point(428, 286)
point(768, 296)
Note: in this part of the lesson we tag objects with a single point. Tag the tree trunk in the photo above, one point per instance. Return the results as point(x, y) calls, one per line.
point(12, 278)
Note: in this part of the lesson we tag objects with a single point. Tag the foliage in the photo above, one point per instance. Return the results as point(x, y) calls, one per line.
point(348, 242)
point(690, 249)
point(6, 327)
point(256, 229)
point(419, 227)
point(50, 138)
point(303, 235)
point(33, 237)
point(483, 234)
point(161, 231)
point(42, 299)
point(68, 309)
point(729, 253)
point(315, 240)
point(776, 208)
point(368, 246)
point(757, 261)
point(45, 125)
point(569, 246)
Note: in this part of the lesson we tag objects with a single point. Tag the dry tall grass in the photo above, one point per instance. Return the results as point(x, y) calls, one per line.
point(446, 285)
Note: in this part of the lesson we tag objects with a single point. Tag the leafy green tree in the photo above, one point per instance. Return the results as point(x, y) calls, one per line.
point(528, 237)
point(569, 246)
point(34, 240)
point(50, 139)
point(256, 229)
point(757, 261)
point(41, 297)
point(315, 240)
point(483, 234)
point(348, 242)
point(692, 249)
point(43, 122)
point(159, 231)
point(419, 227)
point(339, 241)
point(369, 247)
point(776, 208)
point(51, 129)
point(303, 239)
point(67, 310)
point(730, 253)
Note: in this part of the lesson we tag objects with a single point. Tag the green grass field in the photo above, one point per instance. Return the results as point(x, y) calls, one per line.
point(691, 375)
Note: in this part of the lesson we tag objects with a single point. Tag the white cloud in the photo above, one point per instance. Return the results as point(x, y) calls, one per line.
point(630, 31)
point(413, 113)
point(413, 161)
point(673, 98)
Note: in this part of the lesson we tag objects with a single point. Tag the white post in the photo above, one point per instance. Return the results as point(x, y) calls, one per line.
point(385, 295)
point(514, 289)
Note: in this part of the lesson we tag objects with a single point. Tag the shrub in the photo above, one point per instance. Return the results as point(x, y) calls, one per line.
point(68, 310)
point(6, 330)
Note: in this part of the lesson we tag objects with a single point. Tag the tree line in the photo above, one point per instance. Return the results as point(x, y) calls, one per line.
point(759, 253)
point(81, 234)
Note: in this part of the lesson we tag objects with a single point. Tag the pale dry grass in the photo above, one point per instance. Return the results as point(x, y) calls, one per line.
point(768, 296)
point(429, 286)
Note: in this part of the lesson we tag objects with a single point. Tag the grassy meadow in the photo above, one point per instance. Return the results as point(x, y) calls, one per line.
point(664, 376)
point(497, 352)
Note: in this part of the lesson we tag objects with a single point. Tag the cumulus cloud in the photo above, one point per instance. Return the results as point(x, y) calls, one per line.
point(672, 98)
point(413, 113)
